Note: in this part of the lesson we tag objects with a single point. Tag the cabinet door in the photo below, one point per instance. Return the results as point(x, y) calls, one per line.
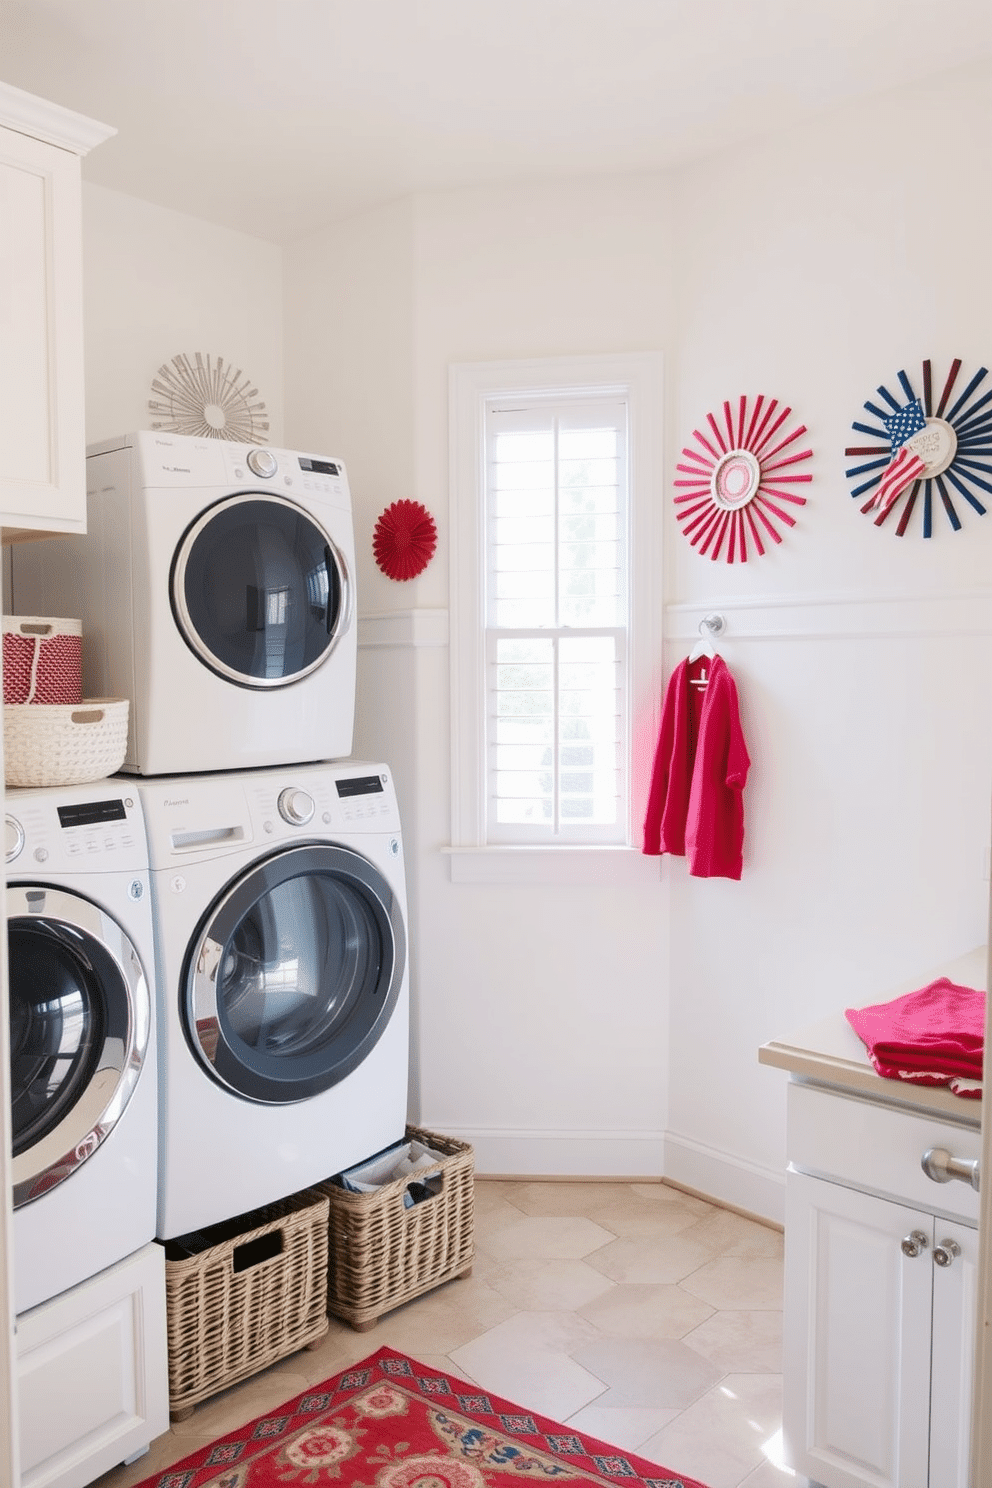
point(42, 438)
point(93, 1374)
point(955, 1309)
point(857, 1338)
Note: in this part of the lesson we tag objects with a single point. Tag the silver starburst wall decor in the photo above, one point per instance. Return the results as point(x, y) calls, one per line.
point(206, 396)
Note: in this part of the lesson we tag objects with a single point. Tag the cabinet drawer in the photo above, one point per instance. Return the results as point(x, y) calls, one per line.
point(878, 1149)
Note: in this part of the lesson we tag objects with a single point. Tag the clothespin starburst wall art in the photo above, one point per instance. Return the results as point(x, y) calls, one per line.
point(925, 444)
point(736, 483)
point(208, 398)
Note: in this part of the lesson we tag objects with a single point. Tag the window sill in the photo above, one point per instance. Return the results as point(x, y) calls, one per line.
point(551, 865)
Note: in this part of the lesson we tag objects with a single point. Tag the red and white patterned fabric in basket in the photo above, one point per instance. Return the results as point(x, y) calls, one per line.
point(42, 660)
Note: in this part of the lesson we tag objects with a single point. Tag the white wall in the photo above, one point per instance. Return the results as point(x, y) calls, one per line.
point(158, 282)
point(545, 1007)
point(813, 268)
point(810, 267)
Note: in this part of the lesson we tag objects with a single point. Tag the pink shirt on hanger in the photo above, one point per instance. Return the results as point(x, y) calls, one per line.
point(695, 805)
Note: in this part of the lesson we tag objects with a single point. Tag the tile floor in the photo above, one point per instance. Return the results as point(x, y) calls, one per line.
point(632, 1311)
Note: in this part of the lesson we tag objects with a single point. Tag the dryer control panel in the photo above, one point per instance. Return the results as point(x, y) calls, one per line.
point(183, 461)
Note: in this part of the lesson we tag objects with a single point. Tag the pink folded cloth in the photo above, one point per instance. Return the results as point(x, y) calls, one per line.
point(934, 1036)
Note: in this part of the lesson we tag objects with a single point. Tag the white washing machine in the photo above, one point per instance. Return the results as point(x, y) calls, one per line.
point(280, 918)
point(82, 1036)
point(215, 589)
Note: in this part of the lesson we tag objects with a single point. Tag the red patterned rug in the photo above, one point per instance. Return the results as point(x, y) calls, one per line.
point(390, 1422)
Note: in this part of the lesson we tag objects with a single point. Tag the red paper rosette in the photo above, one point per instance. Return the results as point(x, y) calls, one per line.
point(404, 540)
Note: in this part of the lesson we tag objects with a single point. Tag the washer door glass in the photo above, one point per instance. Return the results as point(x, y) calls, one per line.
point(79, 1021)
point(294, 973)
point(259, 591)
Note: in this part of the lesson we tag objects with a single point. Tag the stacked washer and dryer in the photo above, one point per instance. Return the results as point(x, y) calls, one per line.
point(215, 586)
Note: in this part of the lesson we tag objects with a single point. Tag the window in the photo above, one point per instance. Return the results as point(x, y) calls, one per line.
point(554, 599)
point(556, 590)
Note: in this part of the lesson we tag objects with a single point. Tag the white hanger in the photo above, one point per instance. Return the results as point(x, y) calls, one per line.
point(709, 626)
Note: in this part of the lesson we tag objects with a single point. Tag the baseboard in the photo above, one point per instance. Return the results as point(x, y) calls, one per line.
point(536, 1154)
point(728, 1179)
point(625, 1156)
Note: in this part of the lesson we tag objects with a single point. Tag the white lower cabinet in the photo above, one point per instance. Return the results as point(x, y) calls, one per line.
point(880, 1299)
point(92, 1374)
point(879, 1340)
point(952, 1357)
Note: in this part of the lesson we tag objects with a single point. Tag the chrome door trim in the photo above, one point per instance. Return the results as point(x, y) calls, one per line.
point(71, 920)
point(188, 630)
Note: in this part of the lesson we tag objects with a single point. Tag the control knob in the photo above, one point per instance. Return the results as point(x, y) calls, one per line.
point(14, 838)
point(262, 462)
point(295, 806)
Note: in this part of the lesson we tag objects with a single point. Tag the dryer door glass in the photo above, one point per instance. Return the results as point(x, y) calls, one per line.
point(80, 1015)
point(260, 592)
point(294, 975)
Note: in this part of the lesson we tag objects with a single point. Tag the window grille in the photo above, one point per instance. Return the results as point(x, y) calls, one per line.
point(556, 606)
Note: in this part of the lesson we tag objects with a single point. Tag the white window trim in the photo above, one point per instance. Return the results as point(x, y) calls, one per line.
point(638, 375)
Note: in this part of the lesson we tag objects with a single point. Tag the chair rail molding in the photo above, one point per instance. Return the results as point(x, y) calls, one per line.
point(836, 616)
point(410, 628)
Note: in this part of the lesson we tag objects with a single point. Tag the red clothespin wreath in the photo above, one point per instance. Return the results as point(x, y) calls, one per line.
point(738, 481)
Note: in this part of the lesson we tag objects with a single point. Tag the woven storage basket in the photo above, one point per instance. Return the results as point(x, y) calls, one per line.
point(42, 660)
point(69, 745)
point(381, 1254)
point(256, 1293)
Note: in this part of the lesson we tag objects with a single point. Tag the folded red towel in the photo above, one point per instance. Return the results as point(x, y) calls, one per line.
point(932, 1036)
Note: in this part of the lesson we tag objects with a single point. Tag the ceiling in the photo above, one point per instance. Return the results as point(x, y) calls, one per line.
point(276, 117)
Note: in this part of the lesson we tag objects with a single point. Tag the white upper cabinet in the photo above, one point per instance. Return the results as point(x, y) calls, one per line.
point(42, 431)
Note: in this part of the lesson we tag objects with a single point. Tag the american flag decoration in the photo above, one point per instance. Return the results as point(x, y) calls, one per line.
point(925, 442)
point(736, 483)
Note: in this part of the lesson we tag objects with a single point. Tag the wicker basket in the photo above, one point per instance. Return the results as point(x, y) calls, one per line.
point(42, 660)
point(382, 1254)
point(252, 1291)
point(69, 745)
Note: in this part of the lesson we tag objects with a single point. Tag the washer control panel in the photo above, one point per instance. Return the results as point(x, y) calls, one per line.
point(210, 816)
point(59, 831)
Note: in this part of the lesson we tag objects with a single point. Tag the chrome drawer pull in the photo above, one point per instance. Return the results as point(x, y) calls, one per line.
point(946, 1252)
point(939, 1165)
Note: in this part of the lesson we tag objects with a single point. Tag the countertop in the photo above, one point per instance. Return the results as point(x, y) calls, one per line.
point(830, 1052)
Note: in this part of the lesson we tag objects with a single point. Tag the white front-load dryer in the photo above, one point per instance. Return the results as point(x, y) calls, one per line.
point(215, 588)
point(280, 918)
point(82, 1034)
